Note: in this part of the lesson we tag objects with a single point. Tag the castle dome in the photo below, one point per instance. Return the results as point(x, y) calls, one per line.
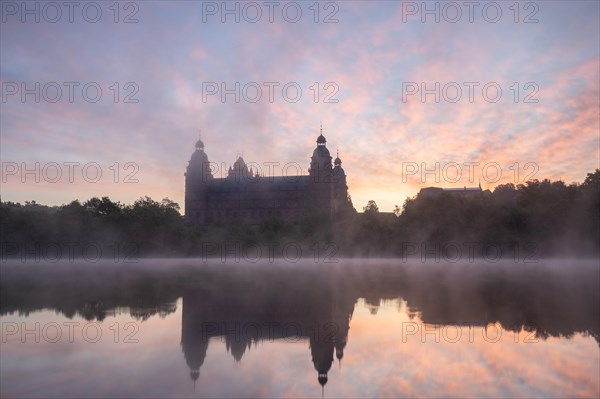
point(199, 157)
point(199, 166)
point(239, 169)
point(322, 378)
point(321, 151)
point(239, 163)
point(321, 139)
point(337, 168)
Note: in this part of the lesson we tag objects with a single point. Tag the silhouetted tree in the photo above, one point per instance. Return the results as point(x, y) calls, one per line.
point(371, 207)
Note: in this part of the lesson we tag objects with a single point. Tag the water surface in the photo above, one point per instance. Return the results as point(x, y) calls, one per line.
point(357, 328)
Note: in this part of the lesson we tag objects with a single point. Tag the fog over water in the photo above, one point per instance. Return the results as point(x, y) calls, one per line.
point(194, 328)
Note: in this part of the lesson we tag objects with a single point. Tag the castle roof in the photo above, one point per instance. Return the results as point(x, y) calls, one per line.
point(260, 183)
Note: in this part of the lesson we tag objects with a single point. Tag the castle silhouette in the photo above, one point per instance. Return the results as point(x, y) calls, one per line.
point(246, 196)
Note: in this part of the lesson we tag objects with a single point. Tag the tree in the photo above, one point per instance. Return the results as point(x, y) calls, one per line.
point(592, 180)
point(371, 207)
point(170, 204)
point(102, 207)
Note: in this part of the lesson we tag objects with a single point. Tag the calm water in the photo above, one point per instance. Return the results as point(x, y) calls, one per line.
point(184, 328)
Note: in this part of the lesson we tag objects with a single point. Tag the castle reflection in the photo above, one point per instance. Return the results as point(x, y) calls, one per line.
point(320, 315)
point(245, 304)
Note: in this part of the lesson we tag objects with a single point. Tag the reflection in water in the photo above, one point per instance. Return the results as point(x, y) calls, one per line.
point(319, 313)
point(246, 304)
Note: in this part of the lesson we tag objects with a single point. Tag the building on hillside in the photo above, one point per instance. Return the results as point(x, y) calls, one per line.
point(247, 197)
point(467, 192)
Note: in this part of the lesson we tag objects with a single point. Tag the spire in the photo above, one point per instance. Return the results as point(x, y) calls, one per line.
point(200, 143)
point(321, 139)
point(194, 374)
point(337, 161)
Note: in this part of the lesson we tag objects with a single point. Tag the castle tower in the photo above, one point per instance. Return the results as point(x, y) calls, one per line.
point(194, 343)
point(197, 176)
point(341, 200)
point(320, 162)
point(320, 173)
point(322, 357)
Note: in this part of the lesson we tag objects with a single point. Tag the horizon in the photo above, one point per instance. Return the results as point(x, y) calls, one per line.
point(222, 174)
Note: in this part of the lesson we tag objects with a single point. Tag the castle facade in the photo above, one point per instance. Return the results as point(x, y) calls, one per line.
point(244, 196)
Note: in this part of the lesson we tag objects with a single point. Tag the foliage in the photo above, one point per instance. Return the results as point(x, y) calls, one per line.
point(554, 217)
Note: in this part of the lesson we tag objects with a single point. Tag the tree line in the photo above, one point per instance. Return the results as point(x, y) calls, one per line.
point(538, 218)
point(535, 219)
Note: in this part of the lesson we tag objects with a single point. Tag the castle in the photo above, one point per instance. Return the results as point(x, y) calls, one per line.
point(248, 197)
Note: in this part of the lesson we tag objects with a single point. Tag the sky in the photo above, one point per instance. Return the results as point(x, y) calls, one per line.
point(108, 99)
